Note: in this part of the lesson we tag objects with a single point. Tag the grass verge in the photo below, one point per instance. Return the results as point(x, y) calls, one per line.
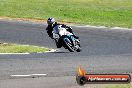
point(92, 12)
point(16, 48)
point(119, 86)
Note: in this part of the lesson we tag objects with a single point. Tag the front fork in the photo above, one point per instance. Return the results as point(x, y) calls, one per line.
point(75, 41)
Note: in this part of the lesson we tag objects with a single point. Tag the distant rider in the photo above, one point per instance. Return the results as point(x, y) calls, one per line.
point(52, 23)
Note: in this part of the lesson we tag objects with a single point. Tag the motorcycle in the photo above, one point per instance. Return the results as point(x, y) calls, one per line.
point(66, 39)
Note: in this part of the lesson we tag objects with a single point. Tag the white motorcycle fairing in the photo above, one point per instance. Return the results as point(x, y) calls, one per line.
point(59, 30)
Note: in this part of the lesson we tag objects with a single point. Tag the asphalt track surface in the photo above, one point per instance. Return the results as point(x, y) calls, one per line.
point(103, 51)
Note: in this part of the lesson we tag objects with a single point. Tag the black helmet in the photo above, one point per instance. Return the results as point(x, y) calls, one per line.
point(50, 21)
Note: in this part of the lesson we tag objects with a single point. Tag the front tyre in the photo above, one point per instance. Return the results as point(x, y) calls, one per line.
point(79, 49)
point(68, 44)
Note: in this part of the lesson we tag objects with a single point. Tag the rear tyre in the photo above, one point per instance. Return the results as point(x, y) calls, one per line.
point(58, 43)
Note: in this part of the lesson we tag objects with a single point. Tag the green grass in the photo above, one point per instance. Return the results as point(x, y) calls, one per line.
point(90, 12)
point(119, 86)
point(16, 48)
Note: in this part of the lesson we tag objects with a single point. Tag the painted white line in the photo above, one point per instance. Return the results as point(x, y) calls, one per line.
point(13, 53)
point(20, 75)
point(38, 74)
point(29, 75)
point(89, 26)
point(121, 28)
point(52, 50)
point(34, 46)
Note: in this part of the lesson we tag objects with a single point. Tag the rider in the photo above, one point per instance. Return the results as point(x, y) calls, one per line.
point(52, 23)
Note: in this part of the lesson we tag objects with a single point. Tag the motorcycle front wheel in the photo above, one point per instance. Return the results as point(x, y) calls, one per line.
point(68, 44)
